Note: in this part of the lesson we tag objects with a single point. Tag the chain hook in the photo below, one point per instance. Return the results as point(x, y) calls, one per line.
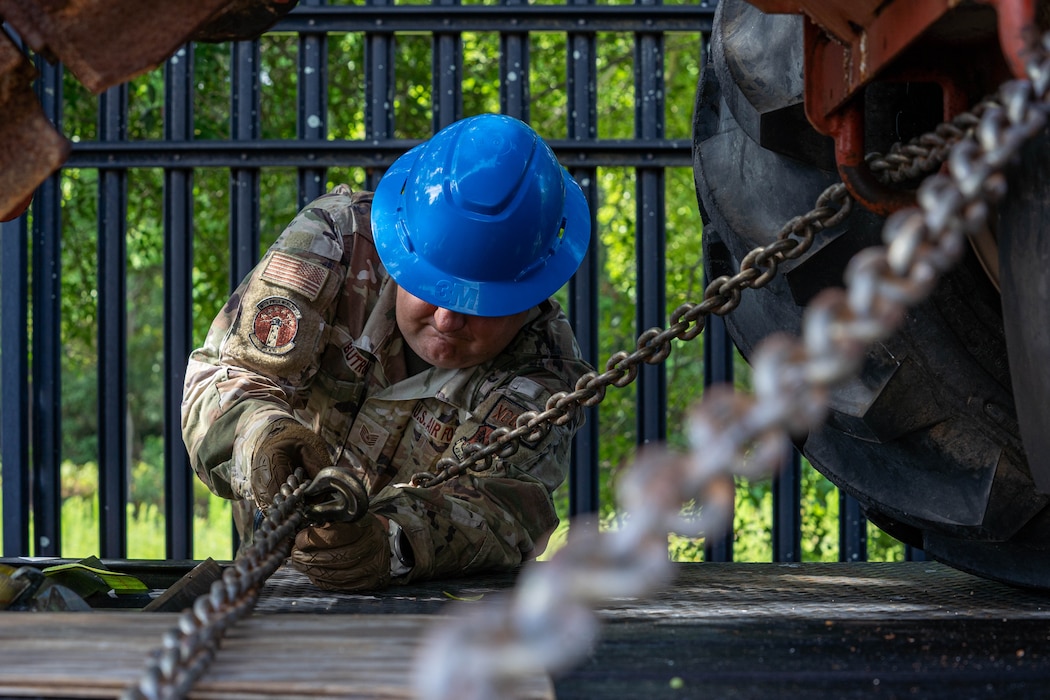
point(335, 495)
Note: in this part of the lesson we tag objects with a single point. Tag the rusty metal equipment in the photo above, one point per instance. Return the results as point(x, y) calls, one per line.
point(30, 148)
point(960, 49)
point(103, 43)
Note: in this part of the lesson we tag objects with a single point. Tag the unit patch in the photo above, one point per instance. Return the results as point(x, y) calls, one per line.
point(275, 326)
point(296, 274)
point(504, 414)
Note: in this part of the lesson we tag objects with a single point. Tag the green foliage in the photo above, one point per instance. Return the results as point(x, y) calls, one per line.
point(616, 211)
point(820, 516)
point(212, 529)
point(212, 533)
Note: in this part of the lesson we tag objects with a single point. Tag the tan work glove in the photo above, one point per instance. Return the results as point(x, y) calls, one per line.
point(288, 445)
point(344, 556)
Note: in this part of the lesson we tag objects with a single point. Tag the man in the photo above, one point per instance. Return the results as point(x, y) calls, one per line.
point(383, 333)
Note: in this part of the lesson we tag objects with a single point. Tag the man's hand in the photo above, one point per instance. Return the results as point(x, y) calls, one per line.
point(344, 556)
point(287, 446)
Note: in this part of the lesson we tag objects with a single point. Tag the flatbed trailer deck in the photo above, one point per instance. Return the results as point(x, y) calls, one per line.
point(721, 630)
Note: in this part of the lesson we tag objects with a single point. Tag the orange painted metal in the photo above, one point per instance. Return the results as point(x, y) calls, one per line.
point(847, 125)
point(852, 41)
point(840, 19)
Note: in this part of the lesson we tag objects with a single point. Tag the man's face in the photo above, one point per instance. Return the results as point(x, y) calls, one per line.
point(449, 339)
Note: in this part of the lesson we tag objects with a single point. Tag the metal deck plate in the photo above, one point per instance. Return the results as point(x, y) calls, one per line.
point(815, 631)
point(817, 591)
point(744, 591)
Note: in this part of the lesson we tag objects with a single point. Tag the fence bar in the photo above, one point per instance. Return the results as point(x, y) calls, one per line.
point(14, 378)
point(372, 152)
point(178, 305)
point(650, 231)
point(379, 91)
point(718, 369)
point(787, 514)
point(313, 105)
point(914, 553)
point(244, 182)
point(514, 70)
point(853, 530)
point(582, 88)
point(447, 76)
point(384, 18)
point(584, 482)
point(47, 336)
point(112, 332)
point(15, 423)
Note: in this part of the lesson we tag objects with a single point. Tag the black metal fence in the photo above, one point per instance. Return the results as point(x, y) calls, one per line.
point(32, 393)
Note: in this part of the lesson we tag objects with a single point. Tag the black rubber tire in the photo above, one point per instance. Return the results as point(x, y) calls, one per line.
point(926, 438)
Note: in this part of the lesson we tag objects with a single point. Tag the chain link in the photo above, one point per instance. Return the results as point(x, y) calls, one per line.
point(547, 624)
point(927, 152)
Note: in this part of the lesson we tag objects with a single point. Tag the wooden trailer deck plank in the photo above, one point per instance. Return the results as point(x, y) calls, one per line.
point(727, 631)
point(97, 654)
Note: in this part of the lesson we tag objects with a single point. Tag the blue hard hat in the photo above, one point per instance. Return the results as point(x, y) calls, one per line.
point(481, 218)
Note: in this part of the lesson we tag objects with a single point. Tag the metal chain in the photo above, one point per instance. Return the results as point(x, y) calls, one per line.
point(189, 648)
point(547, 623)
point(721, 296)
point(927, 152)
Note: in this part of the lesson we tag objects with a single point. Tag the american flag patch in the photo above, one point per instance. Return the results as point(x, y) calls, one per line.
point(296, 274)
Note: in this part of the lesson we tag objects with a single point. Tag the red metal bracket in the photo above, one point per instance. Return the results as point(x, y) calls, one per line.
point(847, 45)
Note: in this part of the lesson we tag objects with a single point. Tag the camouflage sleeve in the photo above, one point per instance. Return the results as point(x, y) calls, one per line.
point(491, 520)
point(262, 349)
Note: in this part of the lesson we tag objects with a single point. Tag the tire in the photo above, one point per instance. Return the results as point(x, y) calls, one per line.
point(926, 437)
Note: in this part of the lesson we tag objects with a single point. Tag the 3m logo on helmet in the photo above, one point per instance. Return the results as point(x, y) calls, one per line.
point(456, 295)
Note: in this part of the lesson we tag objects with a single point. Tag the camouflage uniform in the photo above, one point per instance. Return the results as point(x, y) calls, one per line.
point(311, 333)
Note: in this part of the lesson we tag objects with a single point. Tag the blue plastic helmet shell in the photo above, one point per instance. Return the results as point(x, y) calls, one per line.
point(481, 218)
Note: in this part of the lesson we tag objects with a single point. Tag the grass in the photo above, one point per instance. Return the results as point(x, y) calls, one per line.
point(212, 518)
point(213, 528)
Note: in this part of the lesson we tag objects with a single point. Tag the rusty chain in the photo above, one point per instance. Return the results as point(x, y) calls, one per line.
point(188, 649)
point(904, 162)
point(548, 623)
point(927, 152)
point(721, 296)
